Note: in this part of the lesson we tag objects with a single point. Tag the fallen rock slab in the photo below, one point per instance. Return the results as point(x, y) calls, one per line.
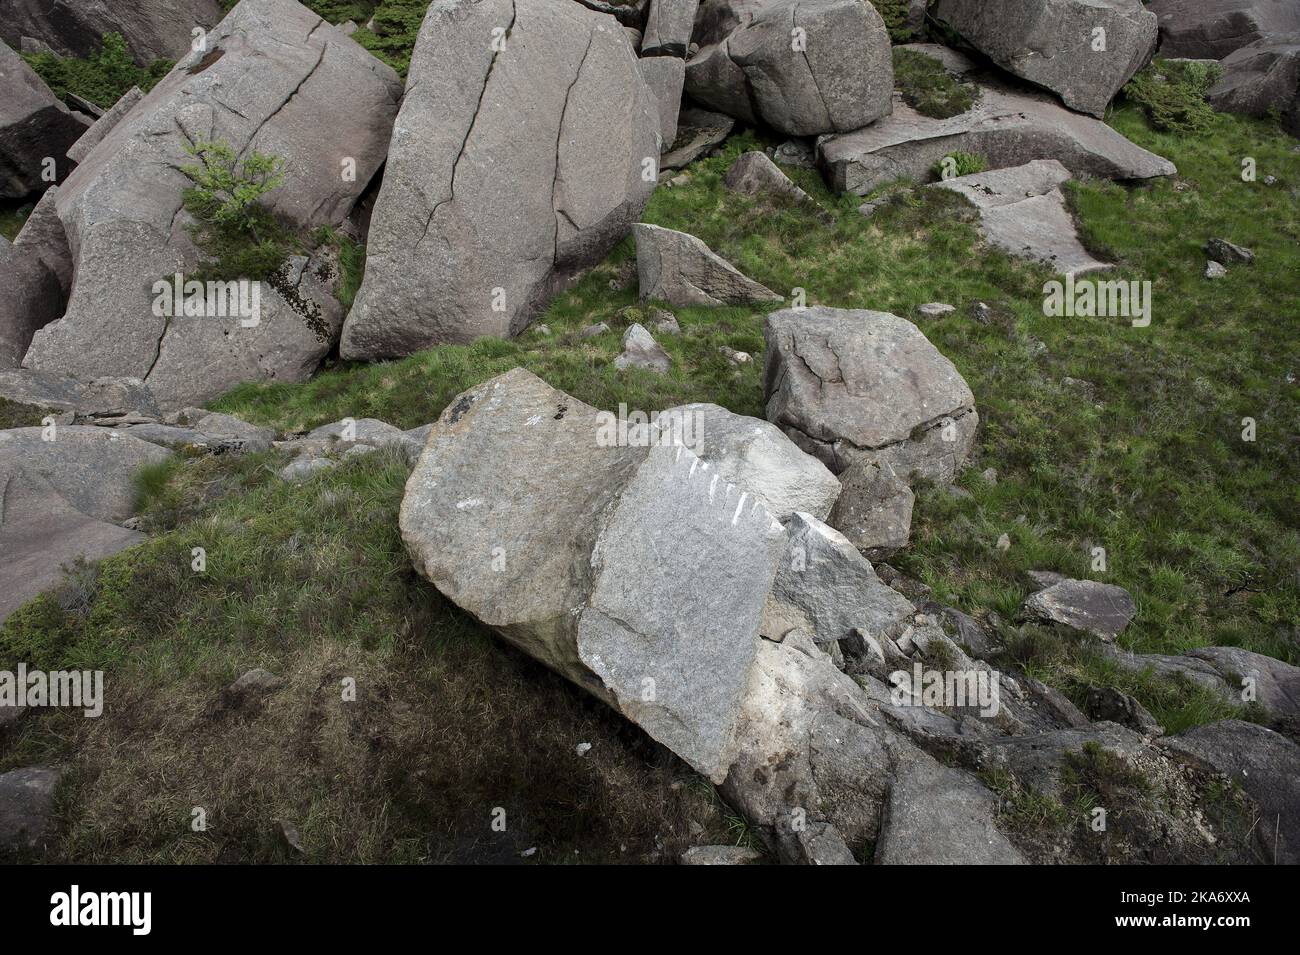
point(561, 118)
point(679, 269)
point(874, 509)
point(1023, 211)
point(640, 350)
point(698, 131)
point(42, 235)
point(1213, 29)
point(1006, 126)
point(664, 75)
point(1056, 44)
point(153, 29)
point(849, 385)
point(754, 174)
point(668, 27)
point(1261, 79)
point(1102, 610)
point(104, 125)
point(34, 127)
point(834, 75)
point(721, 855)
point(101, 400)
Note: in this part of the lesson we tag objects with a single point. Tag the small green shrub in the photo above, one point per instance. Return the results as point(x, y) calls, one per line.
point(103, 77)
point(962, 164)
point(1172, 95)
point(894, 13)
point(928, 88)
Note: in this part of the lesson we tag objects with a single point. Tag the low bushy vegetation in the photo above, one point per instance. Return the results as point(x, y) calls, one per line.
point(103, 77)
point(1172, 94)
point(928, 88)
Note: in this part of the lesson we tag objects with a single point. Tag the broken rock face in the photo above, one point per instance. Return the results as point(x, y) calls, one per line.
point(1102, 610)
point(1056, 44)
point(153, 29)
point(34, 127)
point(803, 67)
point(1008, 127)
point(645, 574)
point(1261, 78)
point(1212, 29)
point(677, 268)
point(850, 385)
point(560, 118)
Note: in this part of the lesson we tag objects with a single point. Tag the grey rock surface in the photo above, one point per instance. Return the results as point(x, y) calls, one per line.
point(1213, 29)
point(42, 235)
point(840, 79)
point(698, 131)
point(754, 174)
point(1261, 79)
point(561, 120)
point(30, 299)
point(100, 399)
point(104, 125)
point(849, 385)
point(1102, 610)
point(1009, 127)
point(153, 29)
point(679, 269)
point(1106, 703)
point(721, 855)
point(1022, 210)
point(26, 806)
point(1055, 43)
point(668, 27)
point(874, 509)
point(640, 350)
point(664, 75)
point(34, 127)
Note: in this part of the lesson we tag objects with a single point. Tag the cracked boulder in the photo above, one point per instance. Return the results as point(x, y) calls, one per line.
point(1102, 610)
point(511, 172)
point(668, 27)
point(664, 75)
point(1212, 29)
point(34, 127)
point(849, 384)
point(1022, 210)
point(677, 268)
point(802, 67)
point(874, 509)
point(104, 125)
point(108, 400)
point(153, 29)
point(1261, 79)
point(269, 72)
point(756, 455)
point(1008, 127)
point(634, 571)
point(1082, 50)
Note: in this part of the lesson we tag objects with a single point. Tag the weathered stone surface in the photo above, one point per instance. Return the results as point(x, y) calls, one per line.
point(1212, 29)
point(874, 510)
point(843, 79)
point(304, 468)
point(153, 29)
point(679, 269)
point(1053, 43)
point(104, 125)
point(1276, 684)
point(1039, 760)
point(640, 350)
point(1008, 127)
point(1022, 210)
point(753, 174)
point(1102, 610)
point(1262, 78)
point(30, 298)
point(756, 455)
point(92, 468)
point(41, 533)
point(1265, 764)
point(616, 593)
point(210, 431)
point(698, 131)
point(937, 815)
point(668, 27)
point(1114, 706)
point(34, 126)
point(849, 385)
point(26, 806)
point(1225, 252)
point(365, 431)
point(664, 75)
point(42, 235)
point(953, 61)
point(824, 587)
point(721, 855)
point(103, 398)
point(271, 70)
point(561, 120)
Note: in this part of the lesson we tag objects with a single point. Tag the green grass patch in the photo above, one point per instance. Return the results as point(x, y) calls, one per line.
point(928, 88)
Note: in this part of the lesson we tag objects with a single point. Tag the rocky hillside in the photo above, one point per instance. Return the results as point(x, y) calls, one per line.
point(686, 431)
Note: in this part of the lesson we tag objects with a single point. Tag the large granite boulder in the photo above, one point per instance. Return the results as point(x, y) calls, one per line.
point(34, 127)
point(271, 70)
point(511, 172)
point(118, 399)
point(803, 67)
point(1212, 29)
point(520, 515)
point(678, 268)
point(1261, 79)
point(30, 298)
point(850, 384)
point(1082, 50)
point(1022, 211)
point(153, 29)
point(1008, 127)
point(668, 27)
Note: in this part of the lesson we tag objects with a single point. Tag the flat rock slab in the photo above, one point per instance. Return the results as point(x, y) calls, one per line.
point(698, 131)
point(26, 806)
point(664, 75)
point(677, 268)
point(41, 534)
point(1008, 127)
point(1102, 610)
point(1053, 43)
point(1213, 29)
point(1265, 764)
point(511, 172)
point(668, 27)
point(101, 398)
point(519, 515)
point(1023, 211)
point(848, 385)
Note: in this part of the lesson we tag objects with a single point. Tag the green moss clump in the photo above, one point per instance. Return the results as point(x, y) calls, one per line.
point(928, 88)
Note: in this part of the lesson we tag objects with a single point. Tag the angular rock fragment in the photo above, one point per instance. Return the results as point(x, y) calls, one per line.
point(640, 350)
point(679, 269)
point(753, 174)
point(153, 29)
point(35, 130)
point(42, 235)
point(26, 807)
point(698, 131)
point(849, 385)
point(1022, 210)
point(1102, 610)
point(1213, 29)
point(833, 75)
point(511, 172)
point(30, 298)
point(721, 855)
point(1007, 127)
point(664, 76)
point(874, 509)
point(1057, 44)
point(668, 27)
point(104, 125)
